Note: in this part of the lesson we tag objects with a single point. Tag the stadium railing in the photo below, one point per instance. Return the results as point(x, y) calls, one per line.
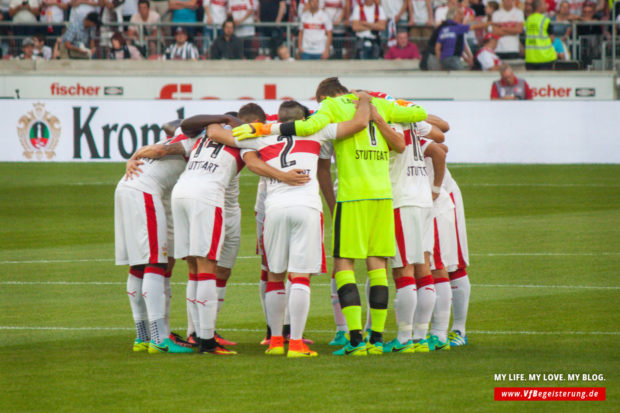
point(591, 51)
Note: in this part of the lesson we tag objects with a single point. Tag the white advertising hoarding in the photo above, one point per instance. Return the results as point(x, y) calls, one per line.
point(418, 85)
point(489, 132)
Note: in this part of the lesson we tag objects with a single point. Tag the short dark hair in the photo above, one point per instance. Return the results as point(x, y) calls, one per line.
point(93, 17)
point(330, 87)
point(228, 20)
point(147, 2)
point(292, 110)
point(232, 113)
point(119, 36)
point(251, 112)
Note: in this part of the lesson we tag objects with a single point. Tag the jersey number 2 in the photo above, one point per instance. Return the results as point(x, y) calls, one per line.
point(287, 148)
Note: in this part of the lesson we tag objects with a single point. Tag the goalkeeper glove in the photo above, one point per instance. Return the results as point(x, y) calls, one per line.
point(252, 130)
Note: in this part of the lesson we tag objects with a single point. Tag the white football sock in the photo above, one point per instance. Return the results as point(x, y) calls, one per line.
point(221, 293)
point(404, 307)
point(275, 302)
point(299, 306)
point(155, 299)
point(138, 306)
point(460, 302)
point(441, 314)
point(341, 322)
point(168, 296)
point(262, 286)
point(206, 302)
point(424, 307)
point(193, 322)
point(287, 289)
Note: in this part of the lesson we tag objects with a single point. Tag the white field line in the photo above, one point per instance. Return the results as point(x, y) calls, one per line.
point(253, 257)
point(316, 284)
point(539, 184)
point(250, 330)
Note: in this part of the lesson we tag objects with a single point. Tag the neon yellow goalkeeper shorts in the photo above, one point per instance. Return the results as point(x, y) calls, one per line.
point(363, 229)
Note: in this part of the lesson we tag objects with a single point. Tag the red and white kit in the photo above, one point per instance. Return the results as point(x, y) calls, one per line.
point(459, 210)
point(412, 197)
point(334, 9)
point(142, 222)
point(315, 27)
point(293, 226)
point(238, 9)
point(218, 9)
point(445, 250)
point(199, 196)
point(232, 225)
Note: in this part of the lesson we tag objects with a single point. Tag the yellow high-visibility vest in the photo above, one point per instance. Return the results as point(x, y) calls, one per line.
point(538, 46)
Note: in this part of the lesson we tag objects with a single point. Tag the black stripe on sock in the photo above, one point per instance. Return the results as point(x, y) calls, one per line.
point(348, 295)
point(378, 297)
point(337, 224)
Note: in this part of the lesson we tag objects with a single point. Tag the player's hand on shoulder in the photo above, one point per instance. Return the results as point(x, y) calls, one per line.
point(362, 95)
point(374, 114)
point(295, 177)
point(251, 130)
point(133, 168)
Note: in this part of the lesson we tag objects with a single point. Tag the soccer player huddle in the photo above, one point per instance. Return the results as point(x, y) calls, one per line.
point(395, 200)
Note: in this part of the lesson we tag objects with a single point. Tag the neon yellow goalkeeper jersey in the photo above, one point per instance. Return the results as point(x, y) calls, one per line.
point(363, 160)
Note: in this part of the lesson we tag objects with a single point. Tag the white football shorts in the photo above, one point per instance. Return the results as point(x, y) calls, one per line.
point(445, 249)
point(232, 238)
point(412, 225)
point(198, 228)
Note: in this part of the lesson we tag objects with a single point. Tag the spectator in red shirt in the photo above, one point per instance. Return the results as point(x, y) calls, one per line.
point(509, 87)
point(403, 49)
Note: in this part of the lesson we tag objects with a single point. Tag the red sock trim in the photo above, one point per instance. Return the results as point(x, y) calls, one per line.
point(168, 274)
point(263, 275)
point(136, 273)
point(220, 283)
point(288, 277)
point(442, 280)
point(334, 274)
point(460, 273)
point(155, 270)
point(404, 282)
point(424, 281)
point(274, 285)
point(193, 277)
point(205, 276)
point(301, 280)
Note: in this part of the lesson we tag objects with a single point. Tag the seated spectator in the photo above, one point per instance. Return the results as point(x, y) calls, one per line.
point(561, 26)
point(589, 15)
point(284, 53)
point(315, 33)
point(227, 45)
point(54, 12)
point(120, 50)
point(24, 12)
point(41, 50)
point(367, 21)
point(509, 87)
point(184, 11)
point(78, 40)
point(508, 24)
point(486, 58)
point(182, 49)
point(27, 50)
point(403, 49)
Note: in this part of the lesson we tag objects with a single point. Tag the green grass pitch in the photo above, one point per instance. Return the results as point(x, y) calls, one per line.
point(545, 251)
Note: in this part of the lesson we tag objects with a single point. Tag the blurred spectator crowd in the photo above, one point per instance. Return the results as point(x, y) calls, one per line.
point(442, 34)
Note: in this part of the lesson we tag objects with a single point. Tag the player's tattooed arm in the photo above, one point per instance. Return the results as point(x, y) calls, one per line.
point(171, 127)
point(193, 126)
point(438, 122)
point(294, 177)
point(395, 140)
point(438, 156)
point(324, 176)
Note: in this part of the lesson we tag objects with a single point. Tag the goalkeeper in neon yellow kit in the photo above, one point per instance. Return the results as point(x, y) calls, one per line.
point(363, 226)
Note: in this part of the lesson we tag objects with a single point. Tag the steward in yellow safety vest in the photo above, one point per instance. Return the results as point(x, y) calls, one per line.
point(539, 51)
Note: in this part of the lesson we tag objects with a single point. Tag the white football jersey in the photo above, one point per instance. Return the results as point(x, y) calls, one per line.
point(159, 175)
point(291, 152)
point(210, 170)
point(408, 174)
point(443, 202)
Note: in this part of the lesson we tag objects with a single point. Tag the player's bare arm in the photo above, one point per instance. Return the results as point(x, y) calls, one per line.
point(395, 140)
point(171, 127)
point(438, 156)
point(194, 125)
point(218, 134)
point(438, 122)
point(436, 135)
point(154, 151)
point(294, 177)
point(324, 176)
